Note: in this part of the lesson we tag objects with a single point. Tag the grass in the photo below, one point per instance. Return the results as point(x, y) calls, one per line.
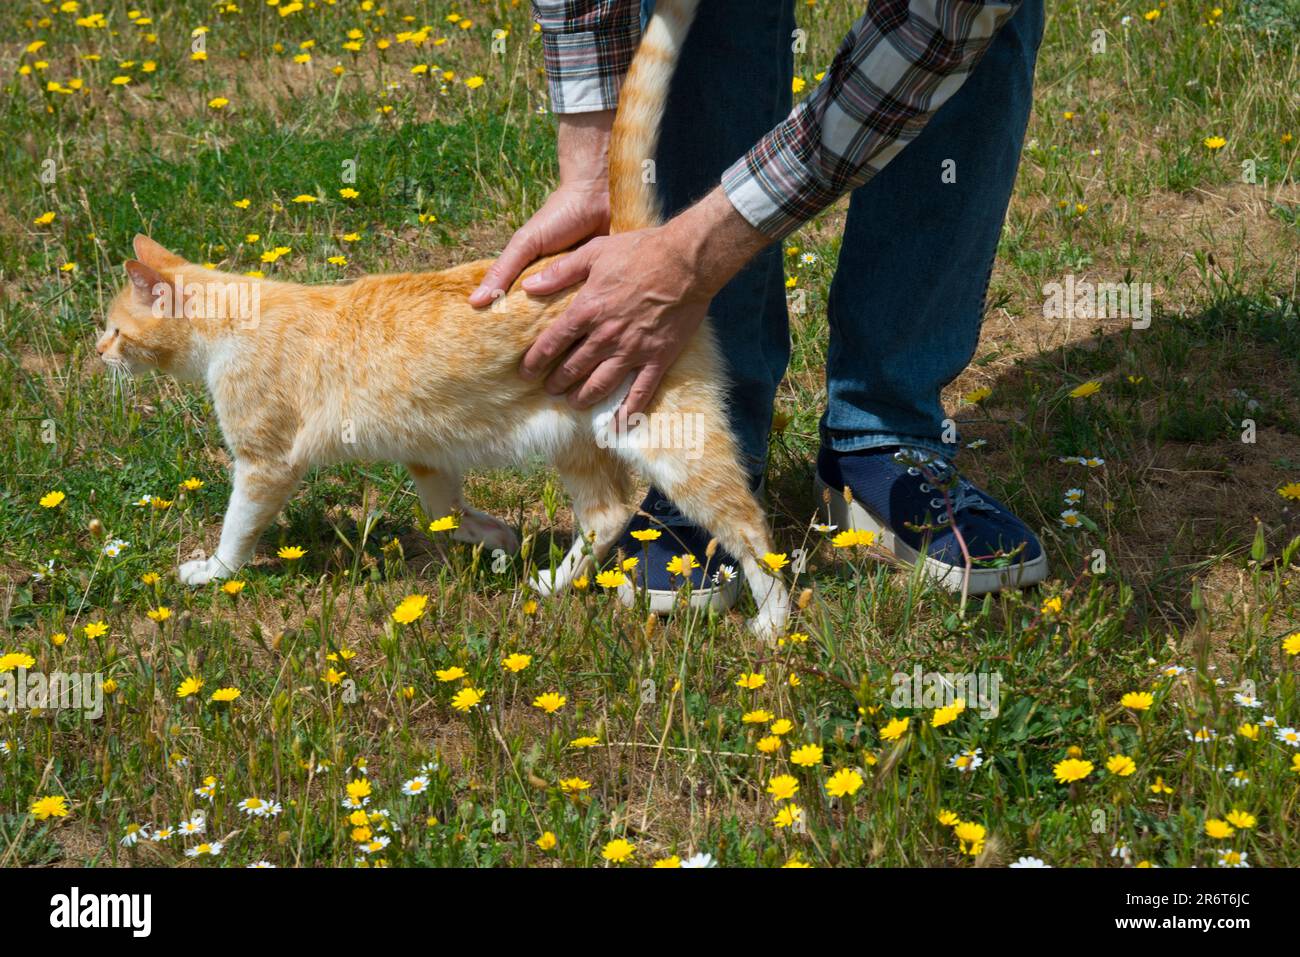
point(1180, 581)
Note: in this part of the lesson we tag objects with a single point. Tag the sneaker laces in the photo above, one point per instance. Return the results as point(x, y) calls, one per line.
point(963, 495)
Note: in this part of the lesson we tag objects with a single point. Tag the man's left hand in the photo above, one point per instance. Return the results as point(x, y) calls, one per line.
point(645, 294)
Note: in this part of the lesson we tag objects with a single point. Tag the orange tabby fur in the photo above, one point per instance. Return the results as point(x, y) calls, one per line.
point(402, 368)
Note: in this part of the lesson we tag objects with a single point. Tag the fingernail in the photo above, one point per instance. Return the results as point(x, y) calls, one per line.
point(479, 293)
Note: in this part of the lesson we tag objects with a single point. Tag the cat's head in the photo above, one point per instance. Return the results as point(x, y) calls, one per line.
point(144, 331)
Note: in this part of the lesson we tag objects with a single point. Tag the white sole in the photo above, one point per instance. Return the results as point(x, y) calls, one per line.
point(713, 598)
point(848, 515)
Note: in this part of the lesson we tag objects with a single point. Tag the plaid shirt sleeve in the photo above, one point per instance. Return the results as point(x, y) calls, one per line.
point(901, 61)
point(587, 46)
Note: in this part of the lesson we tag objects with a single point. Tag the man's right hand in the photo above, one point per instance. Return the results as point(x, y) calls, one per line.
point(576, 211)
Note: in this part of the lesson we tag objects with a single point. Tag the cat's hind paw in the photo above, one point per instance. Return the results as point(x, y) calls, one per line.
point(476, 526)
point(203, 570)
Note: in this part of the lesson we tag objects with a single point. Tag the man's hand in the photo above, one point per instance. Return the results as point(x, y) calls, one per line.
point(646, 293)
point(577, 210)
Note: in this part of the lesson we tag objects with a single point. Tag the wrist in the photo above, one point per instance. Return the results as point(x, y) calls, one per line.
point(582, 146)
point(716, 240)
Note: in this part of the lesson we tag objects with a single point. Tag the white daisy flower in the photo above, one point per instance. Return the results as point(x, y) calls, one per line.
point(417, 785)
point(253, 806)
point(372, 847)
point(700, 860)
point(162, 834)
point(261, 865)
point(1288, 736)
point(1024, 862)
point(1201, 735)
point(1070, 519)
point(1268, 721)
point(725, 573)
point(967, 760)
point(1121, 850)
point(1247, 700)
point(114, 548)
point(1073, 496)
point(212, 849)
point(1230, 858)
point(134, 834)
point(1094, 462)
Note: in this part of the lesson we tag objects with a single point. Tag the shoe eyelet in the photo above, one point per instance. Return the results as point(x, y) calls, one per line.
point(936, 503)
point(927, 487)
point(943, 519)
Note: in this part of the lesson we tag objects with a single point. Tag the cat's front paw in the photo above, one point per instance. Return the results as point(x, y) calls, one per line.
point(201, 571)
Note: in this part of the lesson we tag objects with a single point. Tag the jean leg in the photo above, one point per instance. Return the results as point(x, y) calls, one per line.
point(907, 301)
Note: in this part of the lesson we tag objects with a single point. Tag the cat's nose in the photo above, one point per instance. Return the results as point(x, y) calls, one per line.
point(105, 341)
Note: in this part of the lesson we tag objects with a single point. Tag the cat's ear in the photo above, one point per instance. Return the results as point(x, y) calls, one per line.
point(148, 251)
point(146, 282)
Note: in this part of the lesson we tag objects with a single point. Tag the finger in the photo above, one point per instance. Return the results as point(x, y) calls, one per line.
point(578, 364)
point(522, 249)
point(607, 378)
point(564, 272)
point(557, 339)
point(643, 390)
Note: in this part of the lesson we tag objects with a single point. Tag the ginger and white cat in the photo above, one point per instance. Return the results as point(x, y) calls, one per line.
point(402, 368)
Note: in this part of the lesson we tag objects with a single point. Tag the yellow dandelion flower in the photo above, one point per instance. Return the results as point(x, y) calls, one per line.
point(1071, 769)
point(50, 806)
point(466, 699)
point(845, 781)
point(550, 702)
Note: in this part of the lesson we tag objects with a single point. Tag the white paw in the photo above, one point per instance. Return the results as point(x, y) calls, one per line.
point(543, 582)
point(549, 581)
point(763, 628)
point(770, 622)
point(202, 571)
point(492, 532)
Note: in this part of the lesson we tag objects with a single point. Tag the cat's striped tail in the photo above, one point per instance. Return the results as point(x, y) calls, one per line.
point(634, 201)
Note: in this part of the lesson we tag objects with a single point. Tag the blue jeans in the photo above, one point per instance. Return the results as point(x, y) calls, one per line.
point(907, 300)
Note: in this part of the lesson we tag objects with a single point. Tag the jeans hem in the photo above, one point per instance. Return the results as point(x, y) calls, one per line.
point(876, 440)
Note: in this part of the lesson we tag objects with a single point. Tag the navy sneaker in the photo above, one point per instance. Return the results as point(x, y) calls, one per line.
point(715, 582)
point(898, 493)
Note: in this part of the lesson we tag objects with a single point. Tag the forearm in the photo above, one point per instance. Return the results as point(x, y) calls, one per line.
point(582, 146)
point(900, 63)
point(715, 241)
